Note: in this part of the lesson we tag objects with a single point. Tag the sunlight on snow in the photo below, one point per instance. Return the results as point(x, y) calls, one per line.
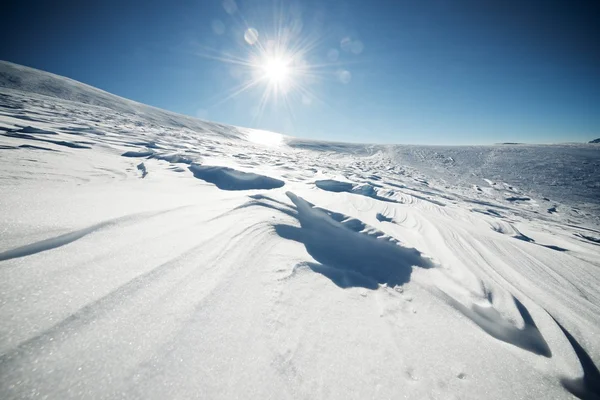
point(265, 137)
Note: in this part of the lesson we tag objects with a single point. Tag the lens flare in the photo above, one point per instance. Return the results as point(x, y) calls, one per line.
point(277, 59)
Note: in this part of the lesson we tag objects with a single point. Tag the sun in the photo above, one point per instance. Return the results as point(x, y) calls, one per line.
point(276, 70)
point(276, 65)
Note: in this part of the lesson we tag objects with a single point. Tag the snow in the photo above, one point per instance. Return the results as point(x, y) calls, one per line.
point(144, 254)
point(226, 178)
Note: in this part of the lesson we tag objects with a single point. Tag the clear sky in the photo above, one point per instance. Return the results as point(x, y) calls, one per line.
point(397, 71)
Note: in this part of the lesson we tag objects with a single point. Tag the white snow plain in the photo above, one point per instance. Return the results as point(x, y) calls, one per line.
point(145, 254)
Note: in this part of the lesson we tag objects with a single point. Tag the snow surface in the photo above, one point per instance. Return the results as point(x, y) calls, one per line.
point(145, 254)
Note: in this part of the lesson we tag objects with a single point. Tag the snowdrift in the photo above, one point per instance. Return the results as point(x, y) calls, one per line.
point(145, 254)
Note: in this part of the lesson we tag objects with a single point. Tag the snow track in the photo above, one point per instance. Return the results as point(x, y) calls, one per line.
point(246, 264)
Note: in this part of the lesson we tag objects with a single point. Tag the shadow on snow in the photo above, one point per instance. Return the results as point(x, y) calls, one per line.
point(347, 256)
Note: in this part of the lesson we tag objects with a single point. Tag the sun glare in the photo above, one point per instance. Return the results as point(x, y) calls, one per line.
point(275, 64)
point(276, 69)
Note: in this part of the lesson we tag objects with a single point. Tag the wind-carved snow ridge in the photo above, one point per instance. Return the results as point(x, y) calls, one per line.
point(354, 259)
point(73, 145)
point(375, 190)
point(368, 190)
point(31, 129)
point(508, 229)
point(588, 386)
point(49, 244)
point(491, 321)
point(67, 238)
point(346, 256)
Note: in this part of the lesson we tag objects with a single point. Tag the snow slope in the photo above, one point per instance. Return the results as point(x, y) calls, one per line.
point(144, 254)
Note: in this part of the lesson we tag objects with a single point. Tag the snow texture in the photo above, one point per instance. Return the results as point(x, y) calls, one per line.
point(248, 264)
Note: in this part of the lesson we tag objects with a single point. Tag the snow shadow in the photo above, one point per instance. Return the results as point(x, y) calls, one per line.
point(347, 256)
point(226, 178)
point(31, 129)
point(73, 145)
point(588, 386)
point(331, 185)
point(67, 238)
point(492, 322)
point(136, 154)
point(508, 229)
point(343, 278)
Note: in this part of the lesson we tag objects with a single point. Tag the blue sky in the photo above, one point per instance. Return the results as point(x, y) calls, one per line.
point(421, 72)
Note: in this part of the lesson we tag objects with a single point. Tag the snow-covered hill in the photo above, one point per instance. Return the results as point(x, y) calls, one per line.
point(145, 254)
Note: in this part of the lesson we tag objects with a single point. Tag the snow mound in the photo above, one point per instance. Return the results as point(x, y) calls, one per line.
point(226, 178)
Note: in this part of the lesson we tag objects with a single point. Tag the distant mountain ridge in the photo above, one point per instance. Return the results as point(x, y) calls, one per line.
point(595, 141)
